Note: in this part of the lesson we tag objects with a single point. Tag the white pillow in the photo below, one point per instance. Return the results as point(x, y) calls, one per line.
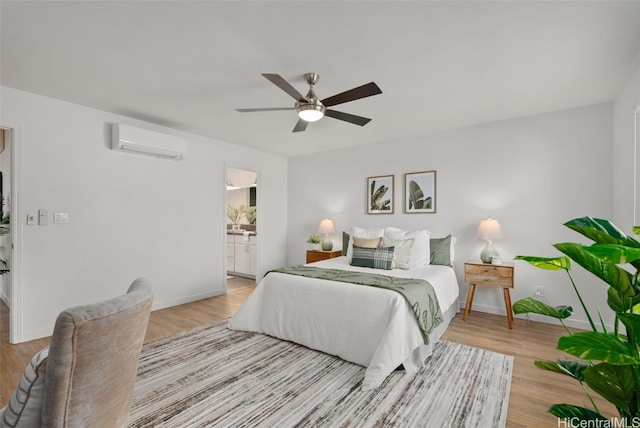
point(358, 232)
point(420, 253)
point(401, 251)
point(453, 246)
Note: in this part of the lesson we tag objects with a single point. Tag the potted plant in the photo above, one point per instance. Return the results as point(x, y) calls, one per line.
point(314, 241)
point(609, 360)
point(251, 214)
point(235, 215)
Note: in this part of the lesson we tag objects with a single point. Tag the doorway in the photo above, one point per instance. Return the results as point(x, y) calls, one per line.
point(241, 228)
point(9, 315)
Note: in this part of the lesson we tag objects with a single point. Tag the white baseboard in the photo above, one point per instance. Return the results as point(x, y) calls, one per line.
point(186, 299)
point(47, 331)
point(38, 333)
point(497, 310)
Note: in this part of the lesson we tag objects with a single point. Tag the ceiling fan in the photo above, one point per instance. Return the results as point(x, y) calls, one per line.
point(311, 109)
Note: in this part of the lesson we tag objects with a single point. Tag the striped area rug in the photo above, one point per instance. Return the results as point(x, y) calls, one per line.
point(215, 377)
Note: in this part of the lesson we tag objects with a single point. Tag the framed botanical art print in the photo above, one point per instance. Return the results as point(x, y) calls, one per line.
point(380, 194)
point(420, 192)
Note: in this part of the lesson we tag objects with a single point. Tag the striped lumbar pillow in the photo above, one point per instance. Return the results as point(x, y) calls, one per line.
point(376, 258)
point(25, 407)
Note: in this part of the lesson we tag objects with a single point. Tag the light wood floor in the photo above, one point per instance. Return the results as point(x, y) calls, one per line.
point(532, 390)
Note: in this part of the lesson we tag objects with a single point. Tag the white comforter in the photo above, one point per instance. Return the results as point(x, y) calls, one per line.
point(365, 325)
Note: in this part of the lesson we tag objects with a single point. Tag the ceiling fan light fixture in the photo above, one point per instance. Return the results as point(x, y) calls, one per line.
point(311, 112)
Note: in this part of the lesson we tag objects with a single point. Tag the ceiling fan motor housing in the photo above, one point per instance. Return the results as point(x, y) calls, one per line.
point(311, 78)
point(313, 110)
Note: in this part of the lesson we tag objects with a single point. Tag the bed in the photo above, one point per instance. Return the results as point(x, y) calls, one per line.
point(370, 326)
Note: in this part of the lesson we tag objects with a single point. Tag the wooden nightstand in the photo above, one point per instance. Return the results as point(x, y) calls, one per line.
point(317, 255)
point(478, 273)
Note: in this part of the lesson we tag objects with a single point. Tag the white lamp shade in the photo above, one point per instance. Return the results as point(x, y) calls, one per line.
point(489, 230)
point(326, 226)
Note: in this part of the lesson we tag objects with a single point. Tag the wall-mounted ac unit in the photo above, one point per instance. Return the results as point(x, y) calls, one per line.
point(149, 143)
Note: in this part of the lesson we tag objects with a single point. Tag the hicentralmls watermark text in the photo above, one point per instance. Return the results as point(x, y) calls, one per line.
point(604, 423)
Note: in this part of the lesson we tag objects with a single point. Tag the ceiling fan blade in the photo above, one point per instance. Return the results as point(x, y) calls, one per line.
point(248, 110)
point(351, 118)
point(300, 126)
point(279, 81)
point(363, 91)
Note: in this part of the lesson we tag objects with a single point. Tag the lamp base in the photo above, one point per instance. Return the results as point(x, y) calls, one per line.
point(488, 252)
point(327, 245)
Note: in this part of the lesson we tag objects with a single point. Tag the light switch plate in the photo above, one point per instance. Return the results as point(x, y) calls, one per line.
point(43, 217)
point(31, 219)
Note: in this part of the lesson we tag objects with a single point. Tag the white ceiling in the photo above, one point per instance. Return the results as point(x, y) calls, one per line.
point(440, 65)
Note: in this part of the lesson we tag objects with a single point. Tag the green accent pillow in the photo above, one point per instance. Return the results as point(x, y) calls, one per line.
point(376, 258)
point(345, 243)
point(441, 251)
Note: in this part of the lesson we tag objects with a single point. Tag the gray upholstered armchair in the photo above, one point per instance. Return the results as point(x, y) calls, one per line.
point(85, 377)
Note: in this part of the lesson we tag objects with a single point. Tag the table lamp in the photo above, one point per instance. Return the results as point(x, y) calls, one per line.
point(326, 228)
point(489, 230)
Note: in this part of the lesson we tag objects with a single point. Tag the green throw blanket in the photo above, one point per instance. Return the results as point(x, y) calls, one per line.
point(417, 292)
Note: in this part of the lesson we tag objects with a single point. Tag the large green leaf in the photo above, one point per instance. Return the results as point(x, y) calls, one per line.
point(592, 345)
point(614, 383)
point(632, 324)
point(620, 304)
point(531, 305)
point(571, 368)
point(570, 412)
point(551, 366)
point(601, 231)
point(555, 263)
point(616, 302)
point(610, 273)
point(613, 253)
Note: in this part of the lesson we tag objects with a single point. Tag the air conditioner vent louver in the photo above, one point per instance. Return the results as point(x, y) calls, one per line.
point(148, 143)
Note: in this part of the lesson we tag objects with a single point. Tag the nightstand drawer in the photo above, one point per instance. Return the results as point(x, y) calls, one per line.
point(316, 255)
point(486, 274)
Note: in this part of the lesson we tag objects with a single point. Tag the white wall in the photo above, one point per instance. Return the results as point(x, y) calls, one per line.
point(532, 174)
point(624, 153)
point(130, 215)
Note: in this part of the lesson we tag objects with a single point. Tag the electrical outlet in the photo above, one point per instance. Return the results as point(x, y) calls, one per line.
point(61, 218)
point(539, 291)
